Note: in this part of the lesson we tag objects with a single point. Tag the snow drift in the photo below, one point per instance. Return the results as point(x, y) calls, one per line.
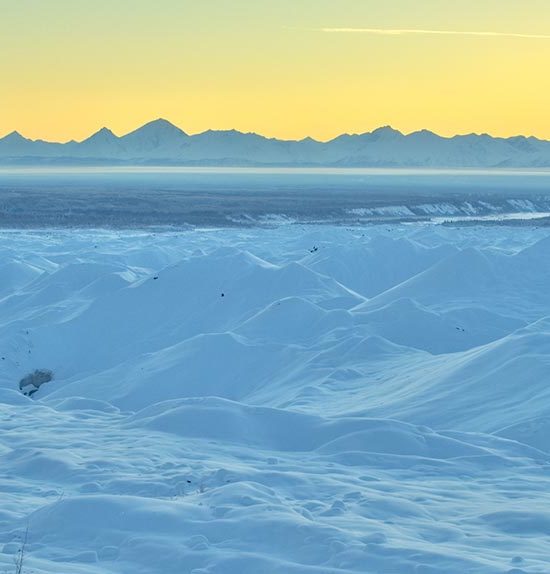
point(234, 401)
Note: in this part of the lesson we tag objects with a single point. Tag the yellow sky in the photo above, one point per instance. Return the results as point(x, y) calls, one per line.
point(69, 67)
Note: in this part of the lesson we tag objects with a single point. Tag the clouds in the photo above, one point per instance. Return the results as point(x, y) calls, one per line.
point(420, 32)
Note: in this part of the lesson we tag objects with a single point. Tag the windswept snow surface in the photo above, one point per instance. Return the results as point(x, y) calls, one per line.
point(300, 399)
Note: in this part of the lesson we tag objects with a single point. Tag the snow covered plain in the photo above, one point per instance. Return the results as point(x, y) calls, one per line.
point(300, 399)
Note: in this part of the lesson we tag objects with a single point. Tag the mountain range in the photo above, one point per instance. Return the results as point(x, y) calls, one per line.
point(162, 143)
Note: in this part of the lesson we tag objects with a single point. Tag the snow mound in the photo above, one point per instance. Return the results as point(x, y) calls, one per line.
point(276, 429)
point(294, 320)
point(286, 399)
point(466, 274)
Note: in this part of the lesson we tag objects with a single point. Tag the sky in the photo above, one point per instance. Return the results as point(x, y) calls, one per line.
point(282, 68)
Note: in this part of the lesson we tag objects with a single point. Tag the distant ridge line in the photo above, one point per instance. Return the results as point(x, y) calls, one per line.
point(167, 123)
point(160, 142)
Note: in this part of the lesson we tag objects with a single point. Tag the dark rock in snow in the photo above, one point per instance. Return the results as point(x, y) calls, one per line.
point(30, 383)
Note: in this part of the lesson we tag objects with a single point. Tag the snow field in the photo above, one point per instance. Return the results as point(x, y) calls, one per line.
point(301, 399)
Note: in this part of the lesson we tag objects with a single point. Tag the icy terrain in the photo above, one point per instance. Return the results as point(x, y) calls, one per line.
point(302, 399)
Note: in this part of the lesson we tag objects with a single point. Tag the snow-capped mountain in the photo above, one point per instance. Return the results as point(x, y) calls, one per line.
point(160, 142)
point(159, 138)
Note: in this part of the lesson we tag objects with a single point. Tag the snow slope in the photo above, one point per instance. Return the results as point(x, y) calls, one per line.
point(236, 401)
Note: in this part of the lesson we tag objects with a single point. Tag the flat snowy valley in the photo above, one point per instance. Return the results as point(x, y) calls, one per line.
point(300, 399)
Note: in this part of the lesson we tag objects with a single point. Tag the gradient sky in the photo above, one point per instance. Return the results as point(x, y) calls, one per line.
point(283, 68)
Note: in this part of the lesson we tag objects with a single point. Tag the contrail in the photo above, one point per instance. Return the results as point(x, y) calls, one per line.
point(410, 32)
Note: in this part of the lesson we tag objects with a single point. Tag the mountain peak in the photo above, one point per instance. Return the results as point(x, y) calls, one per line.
point(158, 127)
point(225, 134)
point(13, 137)
point(424, 132)
point(161, 122)
point(385, 131)
point(104, 134)
point(105, 131)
